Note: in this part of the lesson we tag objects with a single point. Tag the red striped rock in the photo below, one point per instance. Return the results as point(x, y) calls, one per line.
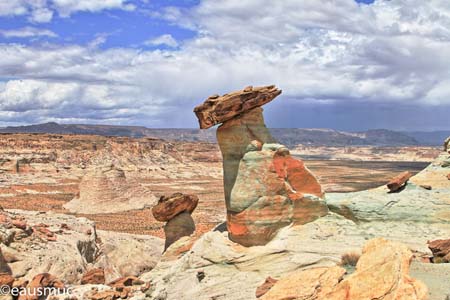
point(272, 190)
point(265, 188)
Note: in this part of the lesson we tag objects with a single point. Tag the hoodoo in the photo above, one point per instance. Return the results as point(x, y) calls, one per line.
point(265, 187)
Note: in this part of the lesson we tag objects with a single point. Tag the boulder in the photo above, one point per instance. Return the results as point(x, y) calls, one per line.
point(441, 250)
point(313, 283)
point(176, 211)
point(94, 276)
point(168, 207)
point(398, 181)
point(272, 190)
point(6, 280)
point(218, 109)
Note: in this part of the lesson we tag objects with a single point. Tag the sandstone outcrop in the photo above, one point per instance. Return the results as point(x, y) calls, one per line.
point(382, 272)
point(272, 190)
point(413, 204)
point(76, 246)
point(447, 145)
point(398, 181)
point(441, 250)
point(176, 211)
point(108, 190)
point(232, 271)
point(265, 188)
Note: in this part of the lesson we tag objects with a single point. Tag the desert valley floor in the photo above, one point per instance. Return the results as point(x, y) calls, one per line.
point(44, 172)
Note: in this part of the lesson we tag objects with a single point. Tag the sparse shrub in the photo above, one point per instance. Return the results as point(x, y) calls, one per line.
point(350, 259)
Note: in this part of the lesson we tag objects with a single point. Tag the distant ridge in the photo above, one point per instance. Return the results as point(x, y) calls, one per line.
point(287, 136)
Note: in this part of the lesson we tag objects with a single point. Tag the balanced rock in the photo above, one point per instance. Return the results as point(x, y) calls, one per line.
point(176, 211)
point(243, 122)
point(168, 207)
point(265, 188)
point(272, 190)
point(218, 109)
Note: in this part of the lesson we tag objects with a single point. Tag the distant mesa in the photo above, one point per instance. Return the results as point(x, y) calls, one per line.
point(287, 136)
point(107, 190)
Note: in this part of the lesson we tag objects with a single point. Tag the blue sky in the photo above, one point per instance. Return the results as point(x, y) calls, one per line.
point(342, 64)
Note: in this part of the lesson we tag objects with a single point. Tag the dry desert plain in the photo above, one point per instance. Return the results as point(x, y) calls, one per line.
point(79, 174)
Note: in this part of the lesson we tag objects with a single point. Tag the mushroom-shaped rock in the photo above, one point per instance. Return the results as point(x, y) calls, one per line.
point(176, 211)
point(243, 122)
point(265, 188)
point(168, 207)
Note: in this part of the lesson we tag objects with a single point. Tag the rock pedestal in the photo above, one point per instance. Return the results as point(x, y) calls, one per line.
point(265, 188)
point(234, 136)
point(176, 211)
point(181, 225)
point(272, 190)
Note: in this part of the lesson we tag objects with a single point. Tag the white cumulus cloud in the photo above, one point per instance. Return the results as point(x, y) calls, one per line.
point(26, 32)
point(165, 39)
point(394, 52)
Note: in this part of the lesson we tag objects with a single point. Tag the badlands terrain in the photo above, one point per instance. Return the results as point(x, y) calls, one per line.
point(80, 174)
point(107, 218)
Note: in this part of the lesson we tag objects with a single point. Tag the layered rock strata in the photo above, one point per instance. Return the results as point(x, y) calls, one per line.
point(176, 211)
point(272, 190)
point(108, 190)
